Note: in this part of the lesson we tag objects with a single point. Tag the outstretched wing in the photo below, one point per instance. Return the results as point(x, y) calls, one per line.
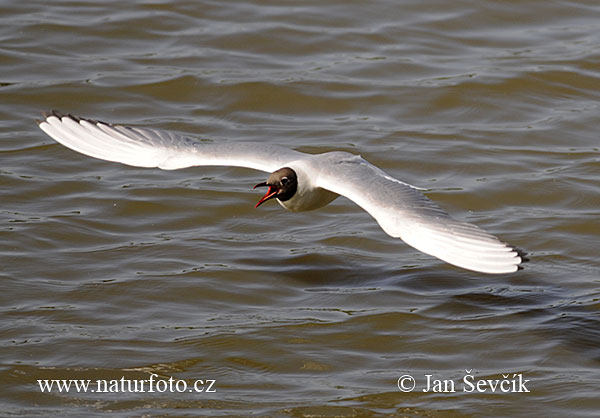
point(400, 209)
point(404, 212)
point(142, 147)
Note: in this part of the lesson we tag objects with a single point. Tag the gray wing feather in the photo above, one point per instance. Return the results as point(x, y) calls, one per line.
point(142, 147)
point(399, 208)
point(404, 212)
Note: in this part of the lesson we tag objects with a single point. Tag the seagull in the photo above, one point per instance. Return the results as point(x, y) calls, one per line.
point(300, 182)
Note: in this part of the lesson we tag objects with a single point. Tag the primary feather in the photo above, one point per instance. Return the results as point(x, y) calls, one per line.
point(401, 210)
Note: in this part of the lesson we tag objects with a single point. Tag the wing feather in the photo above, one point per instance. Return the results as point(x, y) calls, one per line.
point(400, 209)
point(143, 147)
point(404, 212)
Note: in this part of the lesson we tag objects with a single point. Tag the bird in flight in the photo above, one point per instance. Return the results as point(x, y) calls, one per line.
point(299, 182)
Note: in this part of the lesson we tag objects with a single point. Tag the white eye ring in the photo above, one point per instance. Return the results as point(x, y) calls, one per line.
point(284, 181)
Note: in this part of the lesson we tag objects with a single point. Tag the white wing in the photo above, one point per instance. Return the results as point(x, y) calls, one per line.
point(153, 148)
point(400, 209)
point(404, 212)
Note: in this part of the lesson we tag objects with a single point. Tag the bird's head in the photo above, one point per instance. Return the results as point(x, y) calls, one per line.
point(282, 184)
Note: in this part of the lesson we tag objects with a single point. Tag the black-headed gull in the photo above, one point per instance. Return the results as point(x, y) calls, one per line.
point(300, 182)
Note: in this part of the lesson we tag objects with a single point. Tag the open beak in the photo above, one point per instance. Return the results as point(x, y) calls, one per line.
point(271, 193)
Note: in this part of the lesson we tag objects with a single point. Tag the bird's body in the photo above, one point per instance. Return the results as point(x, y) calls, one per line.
point(300, 182)
point(310, 195)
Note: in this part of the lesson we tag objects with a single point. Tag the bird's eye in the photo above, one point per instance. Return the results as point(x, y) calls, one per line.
point(284, 181)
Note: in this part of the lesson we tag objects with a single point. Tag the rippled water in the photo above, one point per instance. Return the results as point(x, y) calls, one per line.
point(113, 272)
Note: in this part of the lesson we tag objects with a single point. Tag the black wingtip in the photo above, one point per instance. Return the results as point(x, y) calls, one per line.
point(51, 113)
point(75, 118)
point(521, 254)
point(54, 112)
point(61, 115)
point(45, 116)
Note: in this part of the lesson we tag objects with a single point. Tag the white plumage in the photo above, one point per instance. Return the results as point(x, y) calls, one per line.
point(401, 210)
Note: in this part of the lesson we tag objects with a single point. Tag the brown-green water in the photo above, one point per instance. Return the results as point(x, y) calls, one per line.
point(112, 272)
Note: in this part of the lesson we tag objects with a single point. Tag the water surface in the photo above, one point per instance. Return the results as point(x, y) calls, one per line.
point(114, 272)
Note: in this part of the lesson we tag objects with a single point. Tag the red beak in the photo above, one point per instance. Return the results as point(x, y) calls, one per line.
point(271, 193)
